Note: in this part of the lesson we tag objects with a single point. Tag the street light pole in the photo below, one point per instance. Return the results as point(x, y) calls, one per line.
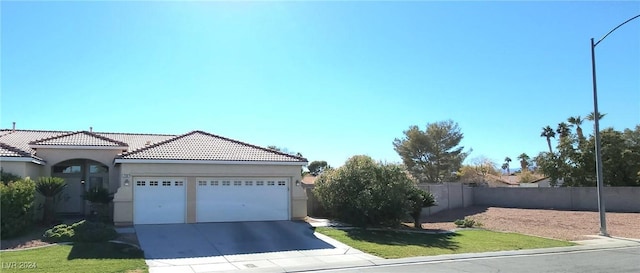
point(596, 117)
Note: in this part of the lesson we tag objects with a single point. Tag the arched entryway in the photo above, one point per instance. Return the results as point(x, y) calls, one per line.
point(80, 175)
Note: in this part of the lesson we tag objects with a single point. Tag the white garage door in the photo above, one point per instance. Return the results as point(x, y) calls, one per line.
point(159, 200)
point(246, 199)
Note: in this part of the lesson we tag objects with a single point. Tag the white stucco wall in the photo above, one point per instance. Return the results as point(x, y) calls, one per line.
point(23, 169)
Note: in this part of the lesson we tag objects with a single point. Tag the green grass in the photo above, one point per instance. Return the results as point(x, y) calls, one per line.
point(399, 244)
point(80, 257)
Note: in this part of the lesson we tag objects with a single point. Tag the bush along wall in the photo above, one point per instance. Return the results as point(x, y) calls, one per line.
point(16, 207)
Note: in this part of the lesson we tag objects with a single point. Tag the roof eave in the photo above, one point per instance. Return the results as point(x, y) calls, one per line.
point(220, 162)
point(78, 147)
point(22, 159)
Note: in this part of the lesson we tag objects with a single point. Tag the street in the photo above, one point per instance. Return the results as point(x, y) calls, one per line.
point(619, 260)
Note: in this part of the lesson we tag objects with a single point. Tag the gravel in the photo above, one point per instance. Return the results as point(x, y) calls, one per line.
point(564, 225)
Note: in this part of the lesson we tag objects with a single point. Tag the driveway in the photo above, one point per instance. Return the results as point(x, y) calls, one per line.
point(205, 247)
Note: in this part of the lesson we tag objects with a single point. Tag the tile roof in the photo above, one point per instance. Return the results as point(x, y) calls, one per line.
point(21, 138)
point(198, 145)
point(137, 141)
point(10, 151)
point(81, 138)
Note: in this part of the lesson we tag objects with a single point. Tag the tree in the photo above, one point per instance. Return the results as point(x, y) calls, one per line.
point(318, 167)
point(419, 199)
point(49, 187)
point(504, 167)
point(548, 133)
point(563, 130)
point(576, 121)
point(507, 160)
point(524, 162)
point(366, 193)
point(592, 116)
point(483, 166)
point(434, 154)
point(574, 161)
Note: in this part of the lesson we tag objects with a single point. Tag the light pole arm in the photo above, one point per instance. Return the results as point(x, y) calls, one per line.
point(614, 29)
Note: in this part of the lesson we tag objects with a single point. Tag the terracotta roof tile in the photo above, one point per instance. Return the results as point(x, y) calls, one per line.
point(81, 138)
point(10, 151)
point(20, 138)
point(198, 145)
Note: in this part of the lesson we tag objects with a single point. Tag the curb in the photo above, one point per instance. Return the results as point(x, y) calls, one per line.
point(627, 243)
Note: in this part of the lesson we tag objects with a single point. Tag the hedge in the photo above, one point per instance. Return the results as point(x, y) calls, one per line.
point(16, 207)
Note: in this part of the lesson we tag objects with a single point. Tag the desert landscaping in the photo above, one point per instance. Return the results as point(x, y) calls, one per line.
point(564, 225)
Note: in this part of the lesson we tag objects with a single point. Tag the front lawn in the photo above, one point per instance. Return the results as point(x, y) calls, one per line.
point(400, 244)
point(80, 257)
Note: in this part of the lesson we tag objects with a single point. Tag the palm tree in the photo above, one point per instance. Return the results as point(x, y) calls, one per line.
point(563, 130)
point(524, 161)
point(591, 116)
point(507, 160)
point(576, 121)
point(49, 187)
point(505, 166)
point(548, 133)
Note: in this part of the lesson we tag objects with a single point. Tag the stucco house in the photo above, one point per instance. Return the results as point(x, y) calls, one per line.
point(160, 178)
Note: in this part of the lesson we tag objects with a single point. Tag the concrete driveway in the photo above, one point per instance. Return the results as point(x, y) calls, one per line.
point(207, 247)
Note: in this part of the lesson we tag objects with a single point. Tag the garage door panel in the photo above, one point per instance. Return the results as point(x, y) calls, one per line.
point(159, 200)
point(234, 199)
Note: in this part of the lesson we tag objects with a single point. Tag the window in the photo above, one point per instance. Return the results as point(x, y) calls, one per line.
point(166, 183)
point(140, 183)
point(153, 183)
point(202, 183)
point(67, 168)
point(98, 169)
point(259, 183)
point(179, 183)
point(281, 183)
point(237, 183)
point(226, 183)
point(248, 183)
point(214, 183)
point(271, 183)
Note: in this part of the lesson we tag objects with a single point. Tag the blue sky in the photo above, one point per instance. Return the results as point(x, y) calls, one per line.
point(327, 79)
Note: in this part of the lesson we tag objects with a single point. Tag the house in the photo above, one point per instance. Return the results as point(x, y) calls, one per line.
point(160, 178)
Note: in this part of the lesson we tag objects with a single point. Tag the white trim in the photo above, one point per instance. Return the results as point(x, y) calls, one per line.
point(221, 162)
point(22, 159)
point(79, 147)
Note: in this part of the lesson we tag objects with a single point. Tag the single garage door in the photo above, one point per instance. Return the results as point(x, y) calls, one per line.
point(159, 200)
point(242, 199)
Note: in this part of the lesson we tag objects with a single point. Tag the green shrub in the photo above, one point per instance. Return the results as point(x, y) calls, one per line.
point(467, 223)
point(16, 207)
point(100, 198)
point(365, 193)
point(8, 177)
point(419, 199)
point(59, 233)
point(83, 231)
point(49, 187)
point(98, 195)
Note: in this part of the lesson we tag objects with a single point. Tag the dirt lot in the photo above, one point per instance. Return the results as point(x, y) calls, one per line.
point(565, 225)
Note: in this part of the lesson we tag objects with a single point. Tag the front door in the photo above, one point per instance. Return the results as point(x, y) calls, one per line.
point(80, 175)
point(70, 200)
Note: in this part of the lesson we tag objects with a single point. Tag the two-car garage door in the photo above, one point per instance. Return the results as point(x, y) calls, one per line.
point(217, 199)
